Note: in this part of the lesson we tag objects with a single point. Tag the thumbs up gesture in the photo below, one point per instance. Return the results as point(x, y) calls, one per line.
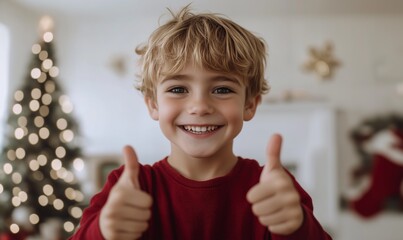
point(126, 213)
point(275, 201)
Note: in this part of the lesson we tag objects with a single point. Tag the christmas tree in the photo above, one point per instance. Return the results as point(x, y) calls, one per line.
point(40, 157)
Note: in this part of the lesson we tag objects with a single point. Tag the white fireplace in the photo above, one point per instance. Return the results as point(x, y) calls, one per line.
point(308, 151)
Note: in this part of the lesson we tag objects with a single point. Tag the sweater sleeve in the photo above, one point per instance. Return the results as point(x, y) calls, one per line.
point(89, 225)
point(310, 228)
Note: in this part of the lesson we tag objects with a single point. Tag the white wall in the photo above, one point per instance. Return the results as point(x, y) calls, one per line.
point(20, 28)
point(110, 111)
point(4, 66)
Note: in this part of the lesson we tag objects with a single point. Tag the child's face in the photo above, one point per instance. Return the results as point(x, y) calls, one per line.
point(201, 112)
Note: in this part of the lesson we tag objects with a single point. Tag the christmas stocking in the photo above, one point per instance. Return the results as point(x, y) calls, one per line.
point(386, 175)
point(386, 178)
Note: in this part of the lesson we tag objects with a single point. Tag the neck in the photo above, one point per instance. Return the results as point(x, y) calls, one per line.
point(202, 169)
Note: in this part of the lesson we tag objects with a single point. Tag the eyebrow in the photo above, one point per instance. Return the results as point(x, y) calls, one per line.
point(217, 78)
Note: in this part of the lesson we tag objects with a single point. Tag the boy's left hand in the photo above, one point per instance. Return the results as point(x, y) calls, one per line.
point(275, 201)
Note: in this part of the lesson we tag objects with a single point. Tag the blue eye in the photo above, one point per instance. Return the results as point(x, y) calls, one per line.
point(177, 90)
point(222, 90)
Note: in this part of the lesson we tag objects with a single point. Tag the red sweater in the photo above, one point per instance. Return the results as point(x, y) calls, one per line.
point(206, 210)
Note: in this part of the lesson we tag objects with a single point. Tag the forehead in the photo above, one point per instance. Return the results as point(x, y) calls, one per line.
point(191, 72)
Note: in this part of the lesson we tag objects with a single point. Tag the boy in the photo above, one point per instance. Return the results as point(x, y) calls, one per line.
point(202, 76)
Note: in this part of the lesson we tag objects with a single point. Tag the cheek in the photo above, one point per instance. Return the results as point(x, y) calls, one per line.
point(234, 117)
point(233, 113)
point(167, 110)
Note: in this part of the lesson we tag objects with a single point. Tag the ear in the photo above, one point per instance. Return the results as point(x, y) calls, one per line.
point(152, 107)
point(250, 107)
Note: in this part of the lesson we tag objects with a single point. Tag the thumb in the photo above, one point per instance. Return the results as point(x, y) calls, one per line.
point(273, 152)
point(132, 167)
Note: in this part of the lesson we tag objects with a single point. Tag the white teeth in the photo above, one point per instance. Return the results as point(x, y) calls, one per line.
point(200, 129)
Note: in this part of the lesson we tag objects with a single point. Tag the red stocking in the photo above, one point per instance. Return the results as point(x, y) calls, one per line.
point(386, 178)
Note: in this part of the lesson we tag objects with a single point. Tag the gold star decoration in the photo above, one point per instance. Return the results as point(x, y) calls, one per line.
point(321, 61)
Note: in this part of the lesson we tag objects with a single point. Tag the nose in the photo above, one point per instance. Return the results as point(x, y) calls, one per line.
point(200, 105)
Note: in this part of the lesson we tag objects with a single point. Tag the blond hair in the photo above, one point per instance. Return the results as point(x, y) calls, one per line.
point(207, 40)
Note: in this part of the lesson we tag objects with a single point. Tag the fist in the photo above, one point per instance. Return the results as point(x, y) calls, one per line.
point(128, 208)
point(274, 200)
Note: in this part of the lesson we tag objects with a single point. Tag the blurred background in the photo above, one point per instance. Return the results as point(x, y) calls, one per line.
point(336, 71)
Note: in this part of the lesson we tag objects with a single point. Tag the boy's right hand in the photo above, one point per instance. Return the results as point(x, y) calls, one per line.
point(128, 208)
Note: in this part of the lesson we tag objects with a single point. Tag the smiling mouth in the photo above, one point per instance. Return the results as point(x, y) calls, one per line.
point(200, 129)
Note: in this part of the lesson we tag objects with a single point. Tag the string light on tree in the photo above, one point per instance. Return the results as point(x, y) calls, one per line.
point(41, 155)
